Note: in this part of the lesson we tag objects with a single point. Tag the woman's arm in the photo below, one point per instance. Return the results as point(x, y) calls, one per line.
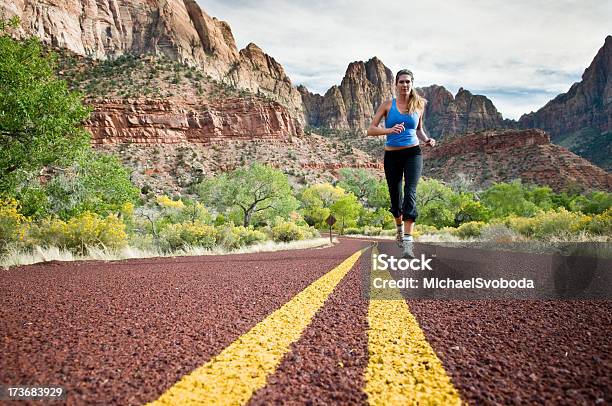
point(421, 133)
point(382, 112)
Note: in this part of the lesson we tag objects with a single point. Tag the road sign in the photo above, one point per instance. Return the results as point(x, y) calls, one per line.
point(331, 220)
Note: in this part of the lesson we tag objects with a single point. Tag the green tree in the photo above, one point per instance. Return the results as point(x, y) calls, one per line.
point(504, 199)
point(316, 201)
point(346, 209)
point(95, 182)
point(379, 196)
point(256, 192)
point(436, 203)
point(357, 181)
point(593, 203)
point(40, 120)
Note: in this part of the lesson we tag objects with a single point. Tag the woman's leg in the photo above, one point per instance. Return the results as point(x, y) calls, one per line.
point(413, 166)
point(394, 171)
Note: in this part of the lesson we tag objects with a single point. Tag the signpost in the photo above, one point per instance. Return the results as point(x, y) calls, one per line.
point(331, 220)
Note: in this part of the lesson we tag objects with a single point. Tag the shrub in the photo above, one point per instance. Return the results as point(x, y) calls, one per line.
point(601, 224)
point(370, 230)
point(181, 235)
point(523, 225)
point(249, 236)
point(556, 222)
point(499, 233)
point(423, 229)
point(13, 224)
point(353, 230)
point(85, 230)
point(469, 229)
point(286, 231)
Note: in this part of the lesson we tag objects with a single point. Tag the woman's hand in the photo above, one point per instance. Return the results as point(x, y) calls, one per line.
point(431, 142)
point(396, 129)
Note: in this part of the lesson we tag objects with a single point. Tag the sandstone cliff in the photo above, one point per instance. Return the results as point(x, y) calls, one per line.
point(150, 121)
point(581, 119)
point(352, 104)
point(466, 112)
point(504, 155)
point(179, 29)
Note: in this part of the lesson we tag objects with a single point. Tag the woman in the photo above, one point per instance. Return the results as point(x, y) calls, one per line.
point(404, 129)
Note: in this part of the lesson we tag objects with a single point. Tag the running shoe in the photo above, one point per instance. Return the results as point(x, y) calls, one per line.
point(399, 236)
point(407, 251)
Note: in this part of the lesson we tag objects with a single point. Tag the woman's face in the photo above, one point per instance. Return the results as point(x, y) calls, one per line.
point(404, 85)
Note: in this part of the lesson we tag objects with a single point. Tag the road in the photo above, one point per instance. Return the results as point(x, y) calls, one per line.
point(295, 327)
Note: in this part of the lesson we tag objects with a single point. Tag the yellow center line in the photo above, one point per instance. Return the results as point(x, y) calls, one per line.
point(232, 377)
point(402, 369)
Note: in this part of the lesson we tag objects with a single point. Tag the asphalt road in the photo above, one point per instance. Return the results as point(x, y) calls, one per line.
point(307, 327)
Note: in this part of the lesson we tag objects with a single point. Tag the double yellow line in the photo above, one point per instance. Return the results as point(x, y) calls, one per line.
point(403, 369)
point(239, 370)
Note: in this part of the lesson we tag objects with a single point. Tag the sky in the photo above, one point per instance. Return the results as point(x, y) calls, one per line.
point(518, 53)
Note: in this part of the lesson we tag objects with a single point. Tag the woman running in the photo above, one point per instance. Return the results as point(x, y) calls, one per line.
point(403, 159)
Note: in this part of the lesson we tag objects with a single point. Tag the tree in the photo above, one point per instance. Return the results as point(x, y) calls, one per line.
point(379, 196)
point(316, 202)
point(437, 203)
point(508, 198)
point(256, 191)
point(40, 120)
point(94, 182)
point(358, 181)
point(346, 210)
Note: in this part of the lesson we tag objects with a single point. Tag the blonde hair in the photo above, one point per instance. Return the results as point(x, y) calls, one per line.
point(415, 101)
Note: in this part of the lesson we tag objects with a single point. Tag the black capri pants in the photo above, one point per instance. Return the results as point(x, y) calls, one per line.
point(404, 163)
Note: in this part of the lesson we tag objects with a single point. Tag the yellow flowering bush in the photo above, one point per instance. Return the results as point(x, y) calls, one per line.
point(85, 230)
point(285, 231)
point(180, 235)
point(166, 202)
point(601, 224)
point(469, 229)
point(13, 225)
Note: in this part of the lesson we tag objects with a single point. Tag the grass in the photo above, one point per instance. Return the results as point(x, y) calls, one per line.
point(39, 254)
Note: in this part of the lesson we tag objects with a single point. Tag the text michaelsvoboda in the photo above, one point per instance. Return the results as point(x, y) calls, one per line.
point(477, 283)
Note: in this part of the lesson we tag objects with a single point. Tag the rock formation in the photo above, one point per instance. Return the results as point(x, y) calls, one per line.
point(179, 29)
point(581, 119)
point(464, 113)
point(587, 103)
point(505, 155)
point(352, 104)
point(150, 121)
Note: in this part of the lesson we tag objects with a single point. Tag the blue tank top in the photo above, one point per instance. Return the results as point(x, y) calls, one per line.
point(406, 137)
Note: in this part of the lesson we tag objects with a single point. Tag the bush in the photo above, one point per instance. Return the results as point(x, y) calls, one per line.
point(286, 231)
point(249, 236)
point(370, 230)
point(353, 230)
point(85, 230)
point(181, 235)
point(601, 224)
point(555, 223)
point(13, 225)
point(423, 229)
point(469, 229)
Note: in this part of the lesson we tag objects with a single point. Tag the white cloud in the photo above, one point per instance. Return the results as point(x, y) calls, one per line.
point(538, 46)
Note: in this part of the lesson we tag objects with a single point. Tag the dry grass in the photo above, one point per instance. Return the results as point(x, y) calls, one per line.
point(17, 258)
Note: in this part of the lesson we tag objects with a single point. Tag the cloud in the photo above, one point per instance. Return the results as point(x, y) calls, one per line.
point(539, 45)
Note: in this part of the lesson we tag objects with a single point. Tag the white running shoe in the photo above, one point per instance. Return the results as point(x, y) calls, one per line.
point(407, 251)
point(399, 236)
